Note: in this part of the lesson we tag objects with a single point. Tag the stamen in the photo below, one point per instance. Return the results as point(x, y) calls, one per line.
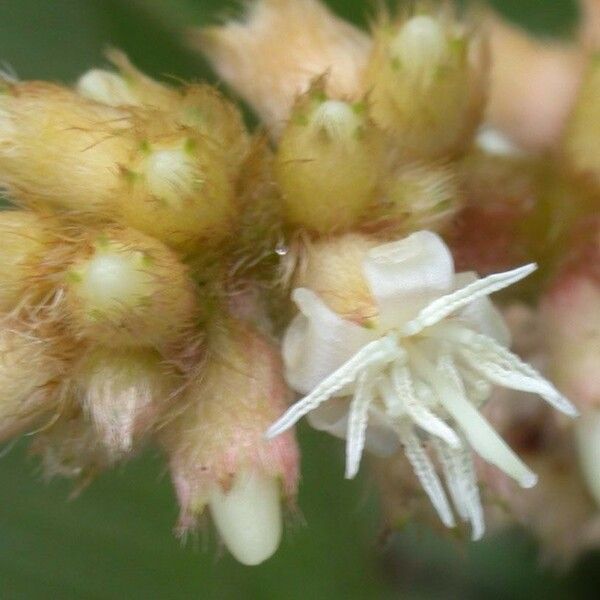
point(425, 472)
point(421, 415)
point(504, 368)
point(445, 305)
point(446, 384)
point(380, 351)
point(462, 482)
point(357, 423)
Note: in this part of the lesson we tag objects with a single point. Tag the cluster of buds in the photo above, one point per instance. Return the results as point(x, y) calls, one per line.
point(157, 252)
point(119, 323)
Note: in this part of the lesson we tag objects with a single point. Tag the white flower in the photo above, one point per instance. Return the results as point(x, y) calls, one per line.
point(418, 373)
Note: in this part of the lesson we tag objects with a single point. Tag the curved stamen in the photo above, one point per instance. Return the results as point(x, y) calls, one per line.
point(446, 305)
point(380, 351)
point(357, 423)
point(425, 472)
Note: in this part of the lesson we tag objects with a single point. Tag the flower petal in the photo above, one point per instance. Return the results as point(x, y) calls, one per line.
point(318, 342)
point(407, 275)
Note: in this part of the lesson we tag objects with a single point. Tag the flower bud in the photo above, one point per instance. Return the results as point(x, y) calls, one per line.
point(200, 107)
point(426, 80)
point(418, 196)
point(24, 240)
point(206, 111)
point(533, 84)
point(327, 164)
point(124, 393)
point(178, 189)
point(217, 450)
point(279, 49)
point(571, 317)
point(70, 447)
point(128, 87)
point(59, 149)
point(124, 288)
point(581, 145)
point(29, 372)
point(334, 268)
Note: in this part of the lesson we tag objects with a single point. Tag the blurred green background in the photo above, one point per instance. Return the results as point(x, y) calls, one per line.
point(115, 542)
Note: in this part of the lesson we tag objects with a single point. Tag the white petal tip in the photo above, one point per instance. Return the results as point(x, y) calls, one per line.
point(273, 431)
point(351, 473)
point(248, 517)
point(528, 481)
point(477, 534)
point(588, 446)
point(569, 409)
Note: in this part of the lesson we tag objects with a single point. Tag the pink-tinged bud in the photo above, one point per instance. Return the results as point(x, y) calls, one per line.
point(589, 27)
point(558, 510)
point(124, 394)
point(70, 447)
point(571, 312)
point(534, 84)
point(218, 454)
point(279, 49)
point(30, 369)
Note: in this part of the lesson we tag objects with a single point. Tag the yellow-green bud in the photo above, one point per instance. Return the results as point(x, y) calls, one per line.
point(327, 164)
point(125, 288)
point(59, 149)
point(178, 189)
point(426, 84)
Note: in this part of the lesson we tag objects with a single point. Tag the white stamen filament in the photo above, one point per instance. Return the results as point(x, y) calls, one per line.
point(450, 303)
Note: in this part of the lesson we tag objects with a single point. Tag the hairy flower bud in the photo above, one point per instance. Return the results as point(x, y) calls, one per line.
point(128, 87)
point(217, 450)
point(200, 107)
point(70, 447)
point(124, 393)
point(124, 288)
point(59, 149)
point(24, 240)
point(426, 79)
point(280, 48)
point(418, 196)
point(30, 369)
point(327, 163)
point(178, 188)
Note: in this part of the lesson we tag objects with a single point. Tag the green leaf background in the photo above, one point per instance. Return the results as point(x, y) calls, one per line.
point(115, 541)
